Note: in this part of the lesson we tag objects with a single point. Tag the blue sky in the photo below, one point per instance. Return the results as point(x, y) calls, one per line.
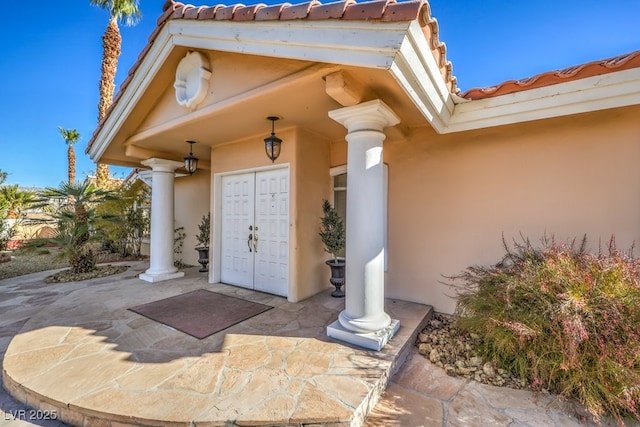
point(50, 63)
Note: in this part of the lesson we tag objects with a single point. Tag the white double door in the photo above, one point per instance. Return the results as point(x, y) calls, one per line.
point(255, 231)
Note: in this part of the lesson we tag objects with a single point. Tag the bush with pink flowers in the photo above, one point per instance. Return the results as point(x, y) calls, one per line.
point(566, 320)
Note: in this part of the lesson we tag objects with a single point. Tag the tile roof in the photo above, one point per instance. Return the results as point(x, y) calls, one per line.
point(378, 10)
point(590, 69)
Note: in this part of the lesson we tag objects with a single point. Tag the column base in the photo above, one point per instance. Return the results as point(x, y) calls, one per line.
point(160, 277)
point(370, 340)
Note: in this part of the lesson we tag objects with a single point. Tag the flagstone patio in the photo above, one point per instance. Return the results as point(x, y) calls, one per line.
point(77, 351)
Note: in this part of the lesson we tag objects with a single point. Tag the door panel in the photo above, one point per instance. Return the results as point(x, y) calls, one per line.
point(237, 217)
point(257, 204)
point(272, 221)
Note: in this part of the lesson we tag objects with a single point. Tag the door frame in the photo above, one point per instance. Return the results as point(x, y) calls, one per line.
point(216, 210)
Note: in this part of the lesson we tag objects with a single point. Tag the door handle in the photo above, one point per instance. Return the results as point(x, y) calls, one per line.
point(250, 241)
point(255, 242)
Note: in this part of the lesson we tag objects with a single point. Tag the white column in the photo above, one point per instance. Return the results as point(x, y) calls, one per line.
point(162, 221)
point(363, 322)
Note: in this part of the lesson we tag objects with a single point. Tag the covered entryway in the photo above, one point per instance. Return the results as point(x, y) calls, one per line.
point(255, 230)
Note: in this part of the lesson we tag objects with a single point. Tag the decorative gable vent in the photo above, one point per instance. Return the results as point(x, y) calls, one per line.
point(192, 80)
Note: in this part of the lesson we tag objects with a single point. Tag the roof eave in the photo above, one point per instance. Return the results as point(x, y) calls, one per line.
point(612, 90)
point(420, 75)
point(358, 43)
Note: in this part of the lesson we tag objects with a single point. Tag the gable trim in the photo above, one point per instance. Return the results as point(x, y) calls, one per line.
point(141, 80)
point(417, 71)
point(357, 43)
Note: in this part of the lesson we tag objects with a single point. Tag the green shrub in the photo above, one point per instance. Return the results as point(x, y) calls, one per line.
point(566, 320)
point(332, 231)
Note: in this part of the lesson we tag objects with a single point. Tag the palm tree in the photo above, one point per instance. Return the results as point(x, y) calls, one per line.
point(125, 11)
point(76, 220)
point(16, 201)
point(70, 136)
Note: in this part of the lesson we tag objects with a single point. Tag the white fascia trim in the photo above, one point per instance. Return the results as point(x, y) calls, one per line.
point(358, 43)
point(418, 73)
point(617, 89)
point(142, 78)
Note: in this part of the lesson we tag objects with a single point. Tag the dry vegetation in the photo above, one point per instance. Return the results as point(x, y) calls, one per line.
point(26, 262)
point(48, 258)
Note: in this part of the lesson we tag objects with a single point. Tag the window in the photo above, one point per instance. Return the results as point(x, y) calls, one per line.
point(340, 194)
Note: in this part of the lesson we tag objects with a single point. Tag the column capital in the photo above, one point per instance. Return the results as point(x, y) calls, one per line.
point(371, 115)
point(162, 165)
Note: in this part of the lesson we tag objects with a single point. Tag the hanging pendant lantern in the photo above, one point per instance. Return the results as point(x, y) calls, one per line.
point(272, 142)
point(190, 161)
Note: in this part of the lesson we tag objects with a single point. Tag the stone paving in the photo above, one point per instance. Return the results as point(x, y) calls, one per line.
point(422, 394)
point(75, 351)
point(149, 361)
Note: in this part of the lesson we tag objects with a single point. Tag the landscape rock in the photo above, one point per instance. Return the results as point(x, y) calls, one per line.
point(456, 353)
point(489, 370)
point(475, 361)
point(424, 349)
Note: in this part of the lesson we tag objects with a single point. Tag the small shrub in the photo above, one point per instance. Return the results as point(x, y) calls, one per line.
point(566, 320)
point(332, 231)
point(204, 230)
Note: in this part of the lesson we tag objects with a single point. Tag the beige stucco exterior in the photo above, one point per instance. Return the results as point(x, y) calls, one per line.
point(191, 203)
point(534, 164)
point(453, 197)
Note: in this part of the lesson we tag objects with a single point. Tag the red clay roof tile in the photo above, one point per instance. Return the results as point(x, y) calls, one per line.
point(247, 13)
point(333, 10)
point(367, 10)
point(179, 11)
point(298, 11)
point(590, 69)
point(194, 12)
point(405, 11)
point(209, 12)
point(271, 13)
point(225, 13)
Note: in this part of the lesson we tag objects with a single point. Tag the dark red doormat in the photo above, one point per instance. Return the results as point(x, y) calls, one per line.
point(200, 313)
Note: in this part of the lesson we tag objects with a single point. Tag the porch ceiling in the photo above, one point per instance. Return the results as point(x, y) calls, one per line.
point(300, 98)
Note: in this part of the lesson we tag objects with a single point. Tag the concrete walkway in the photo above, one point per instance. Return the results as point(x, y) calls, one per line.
point(126, 370)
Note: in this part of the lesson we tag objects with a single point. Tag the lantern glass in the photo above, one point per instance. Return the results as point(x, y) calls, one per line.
point(191, 161)
point(272, 147)
point(191, 164)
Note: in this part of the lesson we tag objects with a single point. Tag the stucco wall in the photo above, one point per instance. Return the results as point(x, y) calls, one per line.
point(232, 74)
point(191, 203)
point(452, 197)
point(307, 156)
point(313, 185)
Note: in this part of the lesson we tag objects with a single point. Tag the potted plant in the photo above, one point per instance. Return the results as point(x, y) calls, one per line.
point(332, 234)
point(203, 236)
